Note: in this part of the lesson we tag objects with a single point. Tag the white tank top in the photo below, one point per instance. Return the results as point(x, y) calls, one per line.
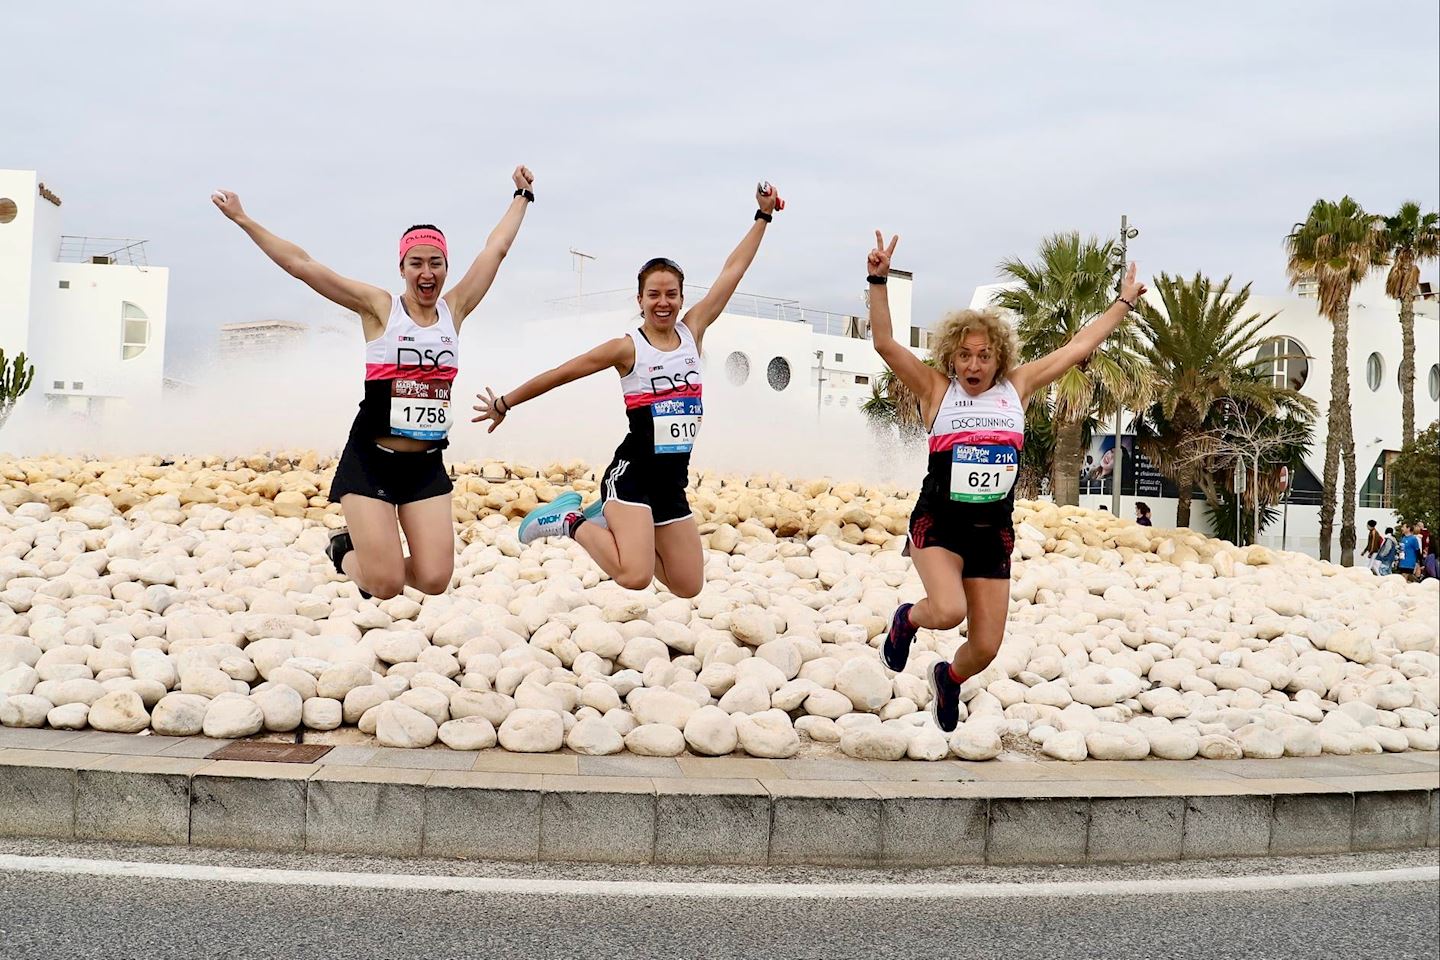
point(975, 444)
point(664, 387)
point(409, 373)
point(407, 350)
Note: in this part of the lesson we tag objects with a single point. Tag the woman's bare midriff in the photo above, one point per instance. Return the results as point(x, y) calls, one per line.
point(404, 444)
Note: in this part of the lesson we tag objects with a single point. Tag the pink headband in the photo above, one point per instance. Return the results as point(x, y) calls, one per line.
point(420, 235)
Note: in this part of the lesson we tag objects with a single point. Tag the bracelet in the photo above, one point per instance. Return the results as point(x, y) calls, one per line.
point(501, 399)
point(878, 281)
point(1126, 302)
point(762, 215)
point(526, 194)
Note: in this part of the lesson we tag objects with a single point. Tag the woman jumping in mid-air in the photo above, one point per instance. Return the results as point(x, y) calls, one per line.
point(641, 527)
point(391, 468)
point(961, 532)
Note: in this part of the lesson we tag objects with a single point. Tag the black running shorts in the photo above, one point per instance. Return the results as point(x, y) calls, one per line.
point(370, 470)
point(985, 549)
point(638, 483)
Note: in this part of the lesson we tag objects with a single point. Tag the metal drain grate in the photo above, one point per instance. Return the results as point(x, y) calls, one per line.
point(271, 751)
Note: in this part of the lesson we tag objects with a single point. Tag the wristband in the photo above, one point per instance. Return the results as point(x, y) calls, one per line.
point(878, 281)
point(526, 194)
point(1126, 302)
point(501, 400)
point(762, 215)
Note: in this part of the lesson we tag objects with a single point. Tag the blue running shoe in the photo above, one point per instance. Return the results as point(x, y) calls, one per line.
point(550, 519)
point(896, 649)
point(944, 697)
point(595, 513)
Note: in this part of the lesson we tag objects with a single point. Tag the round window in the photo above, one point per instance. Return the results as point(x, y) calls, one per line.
point(737, 368)
point(1374, 371)
point(1435, 381)
point(1285, 361)
point(778, 373)
point(8, 210)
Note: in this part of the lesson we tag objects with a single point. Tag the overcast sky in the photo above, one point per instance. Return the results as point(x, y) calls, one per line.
point(972, 129)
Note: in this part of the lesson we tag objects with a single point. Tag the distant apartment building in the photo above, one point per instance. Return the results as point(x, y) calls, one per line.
point(89, 312)
point(260, 338)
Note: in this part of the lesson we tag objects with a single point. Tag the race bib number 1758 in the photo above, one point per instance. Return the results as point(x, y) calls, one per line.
point(420, 409)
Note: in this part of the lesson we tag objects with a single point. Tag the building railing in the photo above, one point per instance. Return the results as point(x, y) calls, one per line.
point(125, 251)
point(741, 304)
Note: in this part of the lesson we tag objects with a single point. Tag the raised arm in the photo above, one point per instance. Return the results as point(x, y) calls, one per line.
point(466, 295)
point(1029, 379)
point(699, 317)
point(927, 383)
point(618, 353)
point(372, 303)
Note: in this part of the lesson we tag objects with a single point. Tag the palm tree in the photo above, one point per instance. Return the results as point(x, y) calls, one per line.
point(1200, 346)
point(891, 402)
point(1410, 238)
point(1337, 245)
point(1071, 282)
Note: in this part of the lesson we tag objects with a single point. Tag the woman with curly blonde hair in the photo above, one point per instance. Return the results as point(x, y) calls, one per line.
point(961, 532)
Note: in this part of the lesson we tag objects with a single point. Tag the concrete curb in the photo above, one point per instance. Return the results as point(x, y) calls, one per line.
point(686, 820)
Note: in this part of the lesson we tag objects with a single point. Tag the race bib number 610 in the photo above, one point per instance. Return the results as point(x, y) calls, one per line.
point(677, 422)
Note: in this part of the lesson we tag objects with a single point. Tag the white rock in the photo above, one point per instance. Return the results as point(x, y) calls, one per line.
point(428, 701)
point(875, 743)
point(769, 734)
point(710, 731)
point(821, 729)
point(1217, 746)
point(926, 743)
point(179, 715)
point(399, 646)
point(280, 706)
point(662, 707)
point(119, 712)
point(1173, 744)
point(70, 716)
point(975, 741)
point(655, 740)
point(360, 699)
point(338, 680)
point(321, 713)
point(1117, 742)
point(400, 725)
point(532, 731)
point(864, 682)
point(232, 717)
point(471, 732)
point(594, 738)
point(747, 697)
point(1301, 741)
point(1260, 742)
point(1066, 745)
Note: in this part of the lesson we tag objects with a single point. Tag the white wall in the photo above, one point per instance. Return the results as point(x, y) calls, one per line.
point(17, 241)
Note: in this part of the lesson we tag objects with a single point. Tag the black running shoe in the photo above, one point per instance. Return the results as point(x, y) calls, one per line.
point(341, 544)
point(896, 649)
point(944, 697)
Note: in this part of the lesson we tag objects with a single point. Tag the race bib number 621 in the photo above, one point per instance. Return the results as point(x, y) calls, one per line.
point(982, 474)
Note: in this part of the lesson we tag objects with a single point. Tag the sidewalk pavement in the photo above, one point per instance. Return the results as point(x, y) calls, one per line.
point(494, 805)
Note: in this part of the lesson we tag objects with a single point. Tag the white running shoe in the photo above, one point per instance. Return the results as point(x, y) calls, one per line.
point(551, 519)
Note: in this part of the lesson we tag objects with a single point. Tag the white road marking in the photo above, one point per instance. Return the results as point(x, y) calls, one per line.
point(140, 870)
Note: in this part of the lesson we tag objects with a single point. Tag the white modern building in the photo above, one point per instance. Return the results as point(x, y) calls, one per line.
point(89, 312)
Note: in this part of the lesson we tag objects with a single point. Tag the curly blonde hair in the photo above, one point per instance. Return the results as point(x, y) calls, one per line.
point(952, 330)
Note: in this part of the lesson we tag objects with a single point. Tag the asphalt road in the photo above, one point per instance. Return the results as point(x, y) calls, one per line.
point(45, 915)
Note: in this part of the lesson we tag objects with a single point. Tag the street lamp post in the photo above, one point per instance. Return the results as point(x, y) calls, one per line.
point(579, 265)
point(1127, 233)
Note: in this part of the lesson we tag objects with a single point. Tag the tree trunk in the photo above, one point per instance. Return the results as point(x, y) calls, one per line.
point(1406, 376)
point(1065, 478)
point(1338, 413)
point(1347, 510)
point(1342, 430)
point(1185, 487)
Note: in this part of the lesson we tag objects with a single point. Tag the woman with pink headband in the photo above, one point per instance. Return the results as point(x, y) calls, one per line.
point(391, 475)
